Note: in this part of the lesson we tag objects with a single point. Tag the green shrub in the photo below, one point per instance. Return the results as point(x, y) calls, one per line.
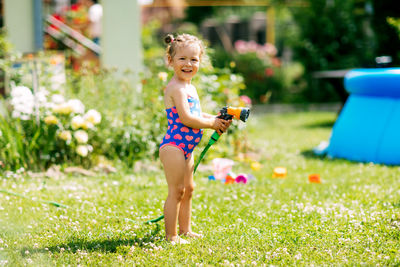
point(265, 77)
point(132, 113)
point(331, 35)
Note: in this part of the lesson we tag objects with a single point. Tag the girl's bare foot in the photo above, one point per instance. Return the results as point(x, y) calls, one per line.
point(192, 234)
point(177, 240)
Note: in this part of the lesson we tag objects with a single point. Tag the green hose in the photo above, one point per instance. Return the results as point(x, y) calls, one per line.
point(58, 205)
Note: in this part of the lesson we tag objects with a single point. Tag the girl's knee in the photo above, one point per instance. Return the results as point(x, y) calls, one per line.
point(178, 192)
point(189, 190)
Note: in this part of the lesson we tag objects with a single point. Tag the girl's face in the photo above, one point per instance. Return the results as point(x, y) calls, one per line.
point(186, 62)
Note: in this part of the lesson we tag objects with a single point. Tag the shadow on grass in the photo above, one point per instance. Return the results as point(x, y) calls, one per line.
point(311, 155)
point(105, 244)
point(320, 124)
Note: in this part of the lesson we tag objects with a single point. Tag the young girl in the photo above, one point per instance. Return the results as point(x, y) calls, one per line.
point(185, 121)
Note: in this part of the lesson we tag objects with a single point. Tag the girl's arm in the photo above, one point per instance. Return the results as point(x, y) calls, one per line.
point(207, 116)
point(182, 106)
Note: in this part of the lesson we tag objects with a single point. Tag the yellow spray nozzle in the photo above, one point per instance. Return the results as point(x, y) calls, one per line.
point(239, 113)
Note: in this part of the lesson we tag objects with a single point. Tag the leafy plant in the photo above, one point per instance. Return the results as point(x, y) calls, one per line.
point(330, 36)
point(46, 130)
point(395, 23)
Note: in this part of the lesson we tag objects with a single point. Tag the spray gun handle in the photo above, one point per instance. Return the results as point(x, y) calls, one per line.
point(224, 114)
point(214, 138)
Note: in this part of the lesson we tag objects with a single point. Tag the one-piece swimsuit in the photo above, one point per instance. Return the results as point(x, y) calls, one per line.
point(179, 135)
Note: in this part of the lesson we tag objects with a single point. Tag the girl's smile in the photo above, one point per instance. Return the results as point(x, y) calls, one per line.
point(186, 62)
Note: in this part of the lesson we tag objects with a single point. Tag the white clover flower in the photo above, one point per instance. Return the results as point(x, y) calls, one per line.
point(76, 106)
point(81, 136)
point(93, 116)
point(82, 150)
point(297, 256)
point(78, 122)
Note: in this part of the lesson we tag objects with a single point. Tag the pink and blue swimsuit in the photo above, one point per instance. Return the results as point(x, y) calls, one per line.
point(183, 137)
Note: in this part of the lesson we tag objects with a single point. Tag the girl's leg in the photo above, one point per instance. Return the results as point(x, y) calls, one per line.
point(185, 211)
point(174, 167)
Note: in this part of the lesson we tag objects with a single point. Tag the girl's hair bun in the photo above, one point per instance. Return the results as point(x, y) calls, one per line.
point(169, 39)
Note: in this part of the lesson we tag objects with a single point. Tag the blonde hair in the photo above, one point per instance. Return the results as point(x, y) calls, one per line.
point(174, 43)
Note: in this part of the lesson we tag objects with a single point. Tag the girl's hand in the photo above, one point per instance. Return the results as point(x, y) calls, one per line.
point(221, 125)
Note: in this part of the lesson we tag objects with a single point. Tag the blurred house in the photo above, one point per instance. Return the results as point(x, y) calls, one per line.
point(259, 28)
point(28, 21)
point(234, 29)
point(164, 10)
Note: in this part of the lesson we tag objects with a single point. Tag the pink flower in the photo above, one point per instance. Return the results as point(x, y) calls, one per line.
point(270, 49)
point(276, 62)
point(245, 99)
point(269, 72)
point(252, 46)
point(241, 46)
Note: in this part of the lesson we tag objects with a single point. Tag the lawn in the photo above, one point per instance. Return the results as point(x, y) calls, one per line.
point(351, 218)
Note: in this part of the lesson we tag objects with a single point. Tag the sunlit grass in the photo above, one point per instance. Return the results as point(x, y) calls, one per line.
point(351, 218)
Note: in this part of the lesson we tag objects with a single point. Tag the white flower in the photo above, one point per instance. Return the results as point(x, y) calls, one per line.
point(78, 122)
point(90, 148)
point(82, 150)
point(297, 256)
point(51, 120)
point(22, 101)
point(93, 116)
point(20, 91)
point(76, 106)
point(65, 135)
point(62, 108)
point(57, 99)
point(163, 76)
point(41, 96)
point(81, 136)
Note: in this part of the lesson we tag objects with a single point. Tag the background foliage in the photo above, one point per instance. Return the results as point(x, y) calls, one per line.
point(132, 112)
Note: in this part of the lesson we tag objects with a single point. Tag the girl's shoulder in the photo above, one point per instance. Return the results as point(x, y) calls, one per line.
point(174, 89)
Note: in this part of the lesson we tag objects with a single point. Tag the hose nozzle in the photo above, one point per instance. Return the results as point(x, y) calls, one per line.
point(238, 113)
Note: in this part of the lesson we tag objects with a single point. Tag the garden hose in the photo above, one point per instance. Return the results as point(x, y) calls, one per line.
point(56, 204)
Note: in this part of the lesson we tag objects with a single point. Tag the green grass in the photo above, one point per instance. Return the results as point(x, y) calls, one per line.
point(351, 218)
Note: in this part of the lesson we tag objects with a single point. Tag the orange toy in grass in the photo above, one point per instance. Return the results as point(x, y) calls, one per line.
point(279, 172)
point(314, 178)
point(229, 179)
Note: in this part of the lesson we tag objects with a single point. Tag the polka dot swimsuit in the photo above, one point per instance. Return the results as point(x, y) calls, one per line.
point(179, 135)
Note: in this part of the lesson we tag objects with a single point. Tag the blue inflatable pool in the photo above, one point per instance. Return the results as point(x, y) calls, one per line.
point(368, 127)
